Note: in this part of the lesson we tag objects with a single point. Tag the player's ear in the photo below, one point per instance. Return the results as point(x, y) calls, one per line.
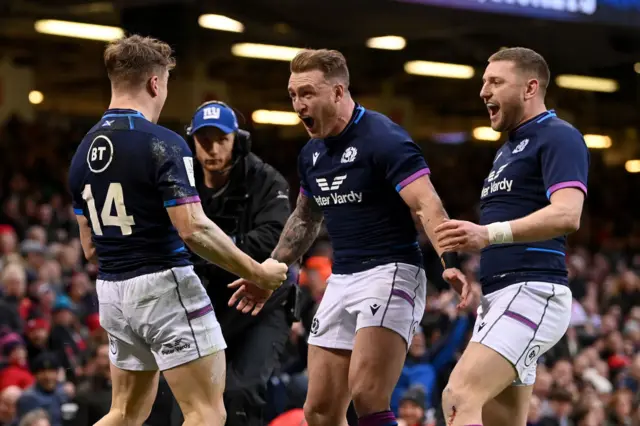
point(533, 85)
point(339, 92)
point(152, 86)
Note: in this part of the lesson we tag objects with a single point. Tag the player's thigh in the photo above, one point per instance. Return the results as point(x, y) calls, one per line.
point(376, 363)
point(127, 350)
point(509, 408)
point(522, 322)
point(333, 327)
point(389, 303)
point(198, 385)
point(328, 389)
point(133, 392)
point(172, 312)
point(390, 296)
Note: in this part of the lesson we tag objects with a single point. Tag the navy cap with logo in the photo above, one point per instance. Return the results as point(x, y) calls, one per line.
point(214, 114)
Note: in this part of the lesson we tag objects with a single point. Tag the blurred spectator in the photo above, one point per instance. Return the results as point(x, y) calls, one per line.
point(36, 418)
point(16, 370)
point(65, 341)
point(8, 399)
point(560, 407)
point(94, 394)
point(47, 393)
point(14, 306)
point(412, 409)
point(37, 333)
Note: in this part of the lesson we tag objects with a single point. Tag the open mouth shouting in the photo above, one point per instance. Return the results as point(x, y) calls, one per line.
point(308, 122)
point(494, 110)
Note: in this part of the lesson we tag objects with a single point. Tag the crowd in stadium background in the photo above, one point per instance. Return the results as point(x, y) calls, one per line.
point(51, 335)
point(49, 304)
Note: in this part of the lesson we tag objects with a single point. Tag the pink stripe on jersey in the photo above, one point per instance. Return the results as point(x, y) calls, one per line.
point(413, 177)
point(569, 184)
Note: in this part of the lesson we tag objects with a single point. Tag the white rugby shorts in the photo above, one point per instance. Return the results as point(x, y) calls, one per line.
point(523, 321)
point(392, 296)
point(158, 321)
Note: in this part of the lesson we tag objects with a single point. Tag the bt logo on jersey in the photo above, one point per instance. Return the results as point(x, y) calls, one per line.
point(100, 154)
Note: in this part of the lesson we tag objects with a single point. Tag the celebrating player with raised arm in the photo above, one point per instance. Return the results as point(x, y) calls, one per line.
point(363, 175)
point(134, 196)
point(531, 199)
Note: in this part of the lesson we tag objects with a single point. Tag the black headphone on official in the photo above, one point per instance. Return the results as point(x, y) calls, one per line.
point(241, 142)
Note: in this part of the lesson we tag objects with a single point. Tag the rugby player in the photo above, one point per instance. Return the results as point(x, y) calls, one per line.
point(134, 197)
point(364, 176)
point(530, 201)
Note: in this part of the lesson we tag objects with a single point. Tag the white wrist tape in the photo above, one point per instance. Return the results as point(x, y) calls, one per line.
point(500, 233)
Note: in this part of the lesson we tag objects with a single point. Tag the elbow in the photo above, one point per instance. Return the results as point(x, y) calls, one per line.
point(90, 254)
point(189, 233)
point(571, 222)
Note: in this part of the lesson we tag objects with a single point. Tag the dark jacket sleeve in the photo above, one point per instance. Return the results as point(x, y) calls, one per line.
point(270, 209)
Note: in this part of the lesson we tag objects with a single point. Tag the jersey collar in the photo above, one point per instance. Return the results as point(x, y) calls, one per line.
point(356, 116)
point(122, 112)
point(535, 120)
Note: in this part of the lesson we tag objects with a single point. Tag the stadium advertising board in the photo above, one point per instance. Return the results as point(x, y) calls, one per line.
point(619, 12)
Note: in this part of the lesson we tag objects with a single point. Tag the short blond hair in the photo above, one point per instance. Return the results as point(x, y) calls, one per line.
point(132, 60)
point(528, 61)
point(331, 62)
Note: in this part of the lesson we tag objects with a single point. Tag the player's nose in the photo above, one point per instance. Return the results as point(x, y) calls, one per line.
point(298, 106)
point(485, 93)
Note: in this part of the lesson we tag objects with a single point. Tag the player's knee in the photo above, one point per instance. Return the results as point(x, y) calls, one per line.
point(206, 416)
point(321, 413)
point(369, 396)
point(130, 418)
point(459, 398)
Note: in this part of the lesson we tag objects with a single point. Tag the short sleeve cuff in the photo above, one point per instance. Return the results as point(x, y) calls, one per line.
point(78, 212)
point(414, 176)
point(180, 201)
point(304, 192)
point(568, 184)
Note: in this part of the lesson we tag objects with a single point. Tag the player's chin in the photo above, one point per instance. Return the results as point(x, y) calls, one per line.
point(497, 124)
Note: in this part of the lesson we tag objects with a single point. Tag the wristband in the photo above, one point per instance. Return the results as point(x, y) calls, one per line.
point(500, 233)
point(450, 260)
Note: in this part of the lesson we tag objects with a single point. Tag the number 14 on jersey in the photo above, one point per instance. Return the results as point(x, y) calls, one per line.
point(114, 198)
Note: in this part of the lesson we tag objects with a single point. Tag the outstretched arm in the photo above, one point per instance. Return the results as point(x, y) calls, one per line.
point(424, 202)
point(299, 232)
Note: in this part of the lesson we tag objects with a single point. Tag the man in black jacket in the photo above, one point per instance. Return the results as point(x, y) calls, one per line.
point(249, 200)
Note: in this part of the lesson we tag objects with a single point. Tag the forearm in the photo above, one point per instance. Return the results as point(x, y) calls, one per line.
point(297, 237)
point(212, 244)
point(432, 214)
point(547, 223)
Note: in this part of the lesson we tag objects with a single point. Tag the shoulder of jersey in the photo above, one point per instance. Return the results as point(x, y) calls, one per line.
point(563, 128)
point(381, 125)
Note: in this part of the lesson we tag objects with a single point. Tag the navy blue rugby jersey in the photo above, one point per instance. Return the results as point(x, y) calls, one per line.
point(542, 155)
point(125, 173)
point(356, 178)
